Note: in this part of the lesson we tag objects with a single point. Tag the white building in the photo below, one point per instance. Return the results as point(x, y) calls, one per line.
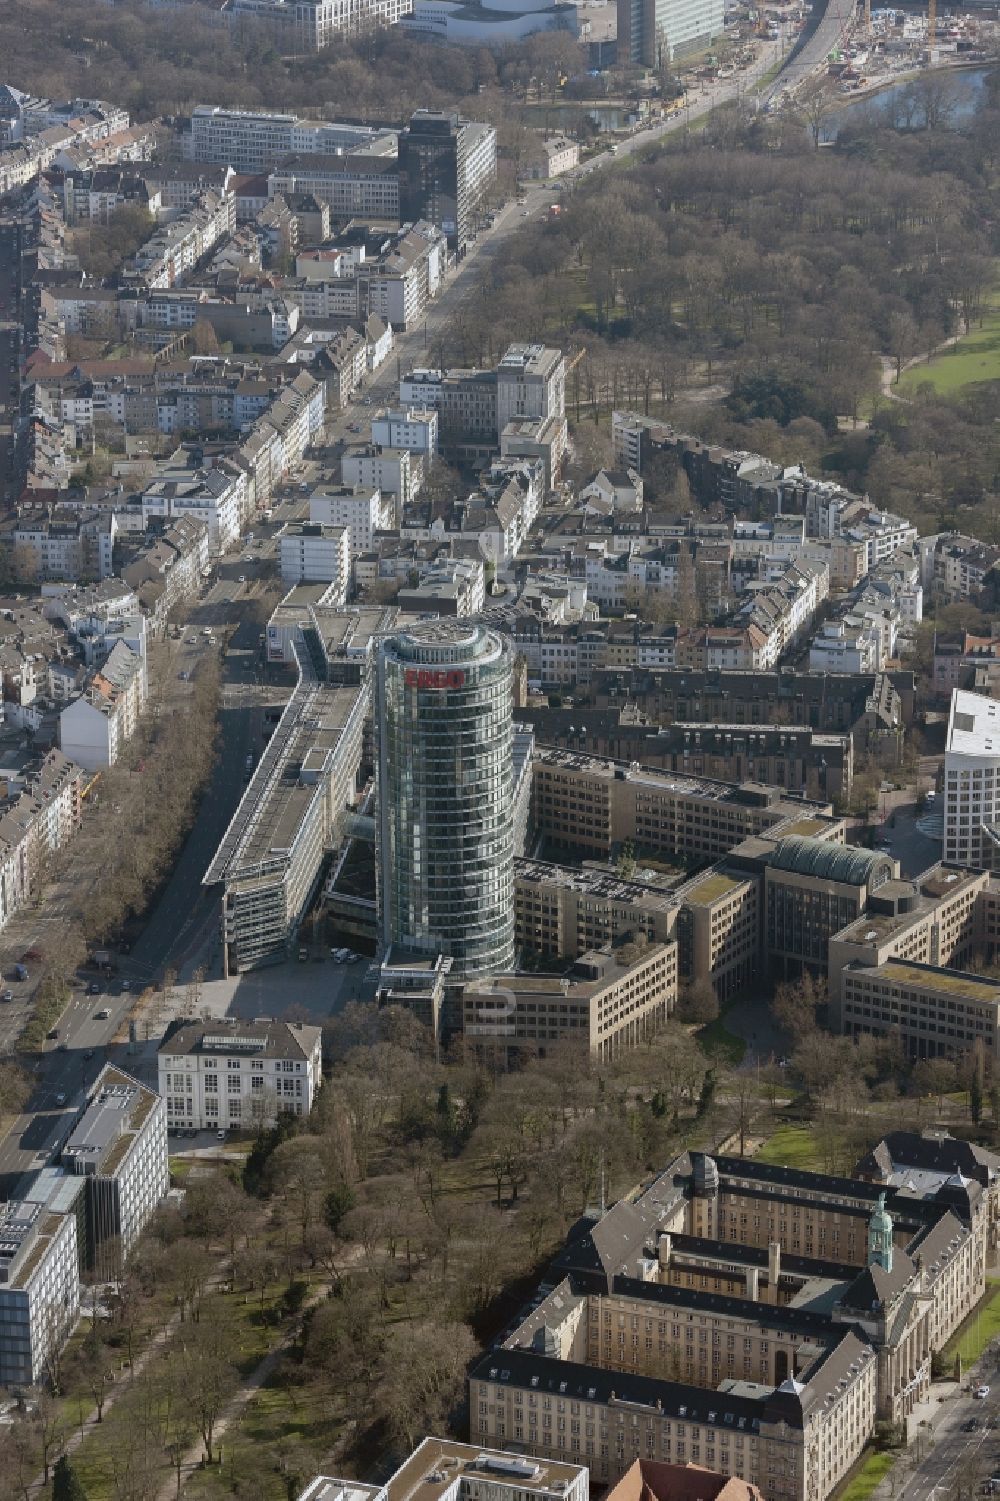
point(119, 1145)
point(313, 554)
point(364, 511)
point(252, 140)
point(218, 497)
point(845, 645)
point(407, 427)
point(446, 1470)
point(228, 1073)
point(972, 782)
point(395, 472)
point(39, 1287)
point(531, 382)
point(95, 727)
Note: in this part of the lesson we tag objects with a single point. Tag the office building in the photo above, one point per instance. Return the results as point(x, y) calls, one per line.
point(655, 32)
point(444, 1470)
point(119, 1146)
point(227, 1073)
point(932, 1012)
point(446, 167)
point(291, 816)
point(972, 781)
point(39, 1285)
point(444, 769)
point(531, 384)
point(611, 1000)
point(753, 1318)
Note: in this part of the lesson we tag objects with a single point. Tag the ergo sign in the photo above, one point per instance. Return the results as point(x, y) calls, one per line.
point(427, 677)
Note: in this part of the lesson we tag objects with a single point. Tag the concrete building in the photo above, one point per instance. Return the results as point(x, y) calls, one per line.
point(39, 1287)
point(611, 1000)
point(362, 510)
point(592, 806)
point(531, 383)
point(447, 165)
point(238, 1075)
point(253, 140)
point(756, 1319)
point(312, 554)
point(972, 782)
point(444, 779)
point(718, 930)
point(310, 25)
point(934, 1012)
point(407, 427)
point(119, 1145)
point(395, 473)
point(445, 1470)
point(812, 889)
point(447, 587)
point(651, 32)
point(271, 857)
point(562, 912)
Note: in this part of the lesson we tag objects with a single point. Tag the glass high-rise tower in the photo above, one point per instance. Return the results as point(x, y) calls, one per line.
point(445, 828)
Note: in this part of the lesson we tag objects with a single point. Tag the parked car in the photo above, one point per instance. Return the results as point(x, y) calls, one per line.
point(94, 988)
point(981, 1393)
point(6, 995)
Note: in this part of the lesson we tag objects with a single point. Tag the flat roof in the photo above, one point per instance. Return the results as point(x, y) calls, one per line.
point(715, 884)
point(973, 725)
point(931, 977)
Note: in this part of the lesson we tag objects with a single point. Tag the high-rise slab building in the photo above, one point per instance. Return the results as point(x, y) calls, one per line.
point(445, 828)
point(446, 165)
point(655, 32)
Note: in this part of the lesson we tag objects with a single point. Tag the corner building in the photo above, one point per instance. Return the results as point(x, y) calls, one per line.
point(445, 827)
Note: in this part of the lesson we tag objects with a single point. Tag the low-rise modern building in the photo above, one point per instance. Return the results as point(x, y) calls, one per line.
point(39, 1287)
point(610, 1001)
point(230, 1074)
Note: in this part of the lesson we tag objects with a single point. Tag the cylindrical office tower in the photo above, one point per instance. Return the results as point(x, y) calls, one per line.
point(444, 727)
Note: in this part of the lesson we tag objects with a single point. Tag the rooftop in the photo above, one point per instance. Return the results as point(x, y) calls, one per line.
point(973, 725)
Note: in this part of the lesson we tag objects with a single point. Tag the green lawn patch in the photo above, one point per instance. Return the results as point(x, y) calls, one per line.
point(792, 1146)
point(863, 1482)
point(982, 1326)
point(975, 357)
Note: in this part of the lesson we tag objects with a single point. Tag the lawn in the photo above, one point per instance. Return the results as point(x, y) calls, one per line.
point(864, 1481)
point(978, 1330)
point(792, 1146)
point(976, 357)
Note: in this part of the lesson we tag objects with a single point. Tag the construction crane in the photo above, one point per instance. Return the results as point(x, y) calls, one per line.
point(575, 360)
point(931, 28)
point(868, 18)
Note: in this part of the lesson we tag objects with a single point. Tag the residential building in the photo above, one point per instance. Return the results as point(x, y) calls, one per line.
point(313, 554)
point(445, 1470)
point(551, 157)
point(610, 1001)
point(447, 165)
point(352, 186)
point(95, 727)
point(531, 383)
point(238, 1075)
point(395, 473)
point(972, 782)
point(362, 510)
point(119, 1145)
point(444, 778)
point(407, 427)
point(446, 587)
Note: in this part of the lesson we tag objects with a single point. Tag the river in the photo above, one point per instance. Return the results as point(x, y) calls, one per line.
point(965, 89)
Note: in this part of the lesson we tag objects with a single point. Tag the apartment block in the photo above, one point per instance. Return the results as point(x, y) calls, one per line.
point(312, 554)
point(414, 428)
point(362, 510)
point(119, 1145)
point(95, 727)
point(610, 1001)
point(238, 1075)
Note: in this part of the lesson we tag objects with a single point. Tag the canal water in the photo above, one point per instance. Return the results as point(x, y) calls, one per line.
point(964, 90)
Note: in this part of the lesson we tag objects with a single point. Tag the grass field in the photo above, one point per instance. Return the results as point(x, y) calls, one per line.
point(861, 1485)
point(717, 1037)
point(978, 1330)
point(976, 357)
point(792, 1146)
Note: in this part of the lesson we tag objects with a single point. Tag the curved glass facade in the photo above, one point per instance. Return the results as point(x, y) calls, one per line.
point(444, 728)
